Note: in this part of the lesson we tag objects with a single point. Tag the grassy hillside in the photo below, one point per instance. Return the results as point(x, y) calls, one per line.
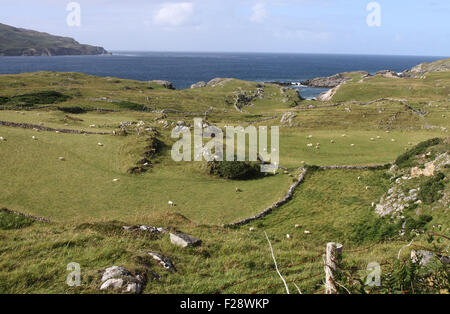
point(369, 122)
point(23, 42)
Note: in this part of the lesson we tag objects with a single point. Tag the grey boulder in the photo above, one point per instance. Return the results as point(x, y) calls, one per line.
point(184, 240)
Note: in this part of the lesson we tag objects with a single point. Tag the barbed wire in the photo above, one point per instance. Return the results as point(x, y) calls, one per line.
point(290, 281)
point(229, 285)
point(308, 260)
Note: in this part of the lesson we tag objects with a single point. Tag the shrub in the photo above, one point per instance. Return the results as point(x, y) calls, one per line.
point(429, 190)
point(74, 110)
point(374, 228)
point(39, 98)
point(406, 159)
point(131, 106)
point(235, 170)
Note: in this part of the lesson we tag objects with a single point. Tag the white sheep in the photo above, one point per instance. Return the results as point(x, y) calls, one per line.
point(310, 145)
point(2, 139)
point(307, 232)
point(100, 144)
point(116, 180)
point(288, 236)
point(34, 137)
point(171, 203)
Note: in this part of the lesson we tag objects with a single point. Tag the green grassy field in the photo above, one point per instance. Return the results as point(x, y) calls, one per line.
point(87, 209)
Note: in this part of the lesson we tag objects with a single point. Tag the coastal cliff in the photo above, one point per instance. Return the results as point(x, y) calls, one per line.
point(22, 42)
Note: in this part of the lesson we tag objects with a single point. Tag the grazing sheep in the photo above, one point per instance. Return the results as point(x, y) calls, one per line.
point(372, 139)
point(92, 126)
point(309, 136)
point(62, 158)
point(288, 236)
point(367, 188)
point(344, 135)
point(393, 140)
point(238, 190)
point(297, 226)
point(332, 141)
point(2, 139)
point(251, 229)
point(352, 145)
point(34, 137)
point(378, 137)
point(307, 232)
point(100, 144)
point(116, 180)
point(310, 145)
point(172, 204)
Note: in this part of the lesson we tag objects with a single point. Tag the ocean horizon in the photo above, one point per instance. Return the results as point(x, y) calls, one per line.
point(186, 68)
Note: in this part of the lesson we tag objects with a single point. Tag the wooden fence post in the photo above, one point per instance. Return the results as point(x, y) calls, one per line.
point(333, 254)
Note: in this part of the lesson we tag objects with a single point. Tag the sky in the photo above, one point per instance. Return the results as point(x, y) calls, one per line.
point(391, 27)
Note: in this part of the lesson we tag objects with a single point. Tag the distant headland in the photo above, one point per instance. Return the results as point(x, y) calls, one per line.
point(23, 42)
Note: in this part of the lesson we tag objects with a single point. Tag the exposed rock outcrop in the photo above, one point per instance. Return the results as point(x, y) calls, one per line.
point(424, 257)
point(331, 81)
point(119, 279)
point(199, 84)
point(396, 200)
point(424, 68)
point(184, 240)
point(287, 118)
point(218, 81)
point(387, 74)
point(165, 84)
point(163, 261)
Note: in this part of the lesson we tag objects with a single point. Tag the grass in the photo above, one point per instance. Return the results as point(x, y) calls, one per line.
point(29, 100)
point(10, 220)
point(87, 208)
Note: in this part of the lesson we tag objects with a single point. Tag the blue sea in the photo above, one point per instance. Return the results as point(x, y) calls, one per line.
point(184, 69)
